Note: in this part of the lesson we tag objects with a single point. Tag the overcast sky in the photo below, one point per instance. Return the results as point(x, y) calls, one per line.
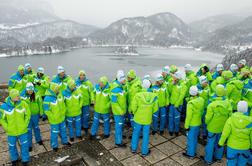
point(102, 12)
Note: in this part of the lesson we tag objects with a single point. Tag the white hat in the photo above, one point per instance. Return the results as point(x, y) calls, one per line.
point(60, 69)
point(178, 75)
point(41, 70)
point(146, 84)
point(27, 65)
point(166, 69)
point(29, 86)
point(233, 67)
point(193, 90)
point(219, 67)
point(202, 79)
point(243, 61)
point(147, 76)
point(159, 77)
point(188, 67)
point(242, 106)
point(120, 76)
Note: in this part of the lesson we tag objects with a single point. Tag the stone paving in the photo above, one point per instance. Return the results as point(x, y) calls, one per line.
point(165, 151)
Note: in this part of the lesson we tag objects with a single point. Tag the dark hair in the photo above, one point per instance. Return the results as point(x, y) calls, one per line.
point(206, 68)
point(32, 97)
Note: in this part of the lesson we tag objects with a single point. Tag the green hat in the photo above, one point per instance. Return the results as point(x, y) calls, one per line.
point(82, 72)
point(251, 70)
point(227, 74)
point(20, 67)
point(54, 87)
point(103, 80)
point(220, 90)
point(14, 93)
point(71, 84)
point(173, 69)
point(131, 74)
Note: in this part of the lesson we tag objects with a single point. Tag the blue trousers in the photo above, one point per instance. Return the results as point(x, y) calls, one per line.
point(131, 118)
point(237, 157)
point(57, 129)
point(24, 143)
point(204, 128)
point(135, 137)
point(174, 119)
point(212, 149)
point(160, 114)
point(85, 117)
point(119, 123)
point(95, 124)
point(192, 140)
point(74, 122)
point(34, 125)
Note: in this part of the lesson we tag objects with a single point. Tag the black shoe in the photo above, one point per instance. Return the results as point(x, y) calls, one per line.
point(204, 137)
point(106, 136)
point(55, 149)
point(25, 163)
point(86, 131)
point(141, 136)
point(203, 159)
point(188, 156)
point(92, 137)
point(79, 138)
point(72, 139)
point(161, 132)
point(67, 144)
point(171, 133)
point(40, 142)
point(153, 132)
point(124, 136)
point(144, 155)
point(30, 149)
point(133, 152)
point(176, 134)
point(122, 145)
point(14, 163)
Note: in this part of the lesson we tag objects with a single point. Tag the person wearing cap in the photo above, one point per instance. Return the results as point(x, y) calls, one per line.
point(218, 112)
point(41, 82)
point(29, 73)
point(73, 101)
point(15, 117)
point(17, 80)
point(133, 87)
point(166, 74)
point(247, 89)
point(204, 70)
point(55, 109)
point(237, 134)
point(204, 92)
point(162, 92)
point(87, 91)
point(242, 65)
point(234, 69)
point(220, 80)
point(173, 69)
point(194, 112)
point(34, 102)
point(102, 107)
point(61, 78)
point(119, 106)
point(218, 72)
point(144, 105)
point(177, 95)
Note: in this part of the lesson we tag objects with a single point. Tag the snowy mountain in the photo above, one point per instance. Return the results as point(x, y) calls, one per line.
point(40, 32)
point(163, 29)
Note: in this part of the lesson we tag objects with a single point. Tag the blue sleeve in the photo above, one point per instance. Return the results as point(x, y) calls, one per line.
point(114, 99)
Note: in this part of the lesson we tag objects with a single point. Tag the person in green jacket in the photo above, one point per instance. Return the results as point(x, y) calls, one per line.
point(234, 69)
point(18, 80)
point(160, 88)
point(73, 101)
point(29, 73)
point(234, 92)
point(102, 107)
point(237, 134)
point(247, 89)
point(34, 102)
point(15, 117)
point(218, 112)
point(173, 69)
point(87, 91)
point(144, 105)
point(133, 87)
point(204, 92)
point(242, 65)
point(177, 95)
point(55, 109)
point(61, 78)
point(119, 106)
point(166, 74)
point(204, 70)
point(194, 112)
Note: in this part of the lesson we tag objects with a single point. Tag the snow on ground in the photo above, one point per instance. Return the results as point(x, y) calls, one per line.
point(16, 26)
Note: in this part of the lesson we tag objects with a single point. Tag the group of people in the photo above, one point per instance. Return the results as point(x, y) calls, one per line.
point(213, 104)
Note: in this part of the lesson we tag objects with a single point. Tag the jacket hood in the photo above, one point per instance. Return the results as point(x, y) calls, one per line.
point(241, 121)
point(238, 84)
point(148, 98)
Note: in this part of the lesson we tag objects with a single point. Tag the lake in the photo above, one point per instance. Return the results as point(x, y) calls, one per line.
point(101, 61)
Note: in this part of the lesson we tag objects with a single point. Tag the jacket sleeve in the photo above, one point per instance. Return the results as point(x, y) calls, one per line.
point(189, 113)
point(134, 104)
point(3, 121)
point(91, 92)
point(209, 114)
point(47, 108)
point(225, 133)
point(27, 114)
point(11, 84)
point(181, 96)
point(114, 103)
point(167, 96)
point(40, 103)
point(45, 83)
